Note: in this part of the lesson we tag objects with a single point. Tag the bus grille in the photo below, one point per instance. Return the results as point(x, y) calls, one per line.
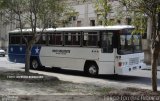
point(133, 61)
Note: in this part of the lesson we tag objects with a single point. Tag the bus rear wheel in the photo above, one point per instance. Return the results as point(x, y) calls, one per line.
point(92, 69)
point(35, 64)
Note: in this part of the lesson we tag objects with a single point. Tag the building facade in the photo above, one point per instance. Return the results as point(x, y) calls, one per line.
point(4, 29)
point(87, 15)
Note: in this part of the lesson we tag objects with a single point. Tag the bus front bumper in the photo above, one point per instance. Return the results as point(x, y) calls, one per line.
point(126, 69)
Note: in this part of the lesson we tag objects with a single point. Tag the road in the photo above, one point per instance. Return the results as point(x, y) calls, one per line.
point(138, 79)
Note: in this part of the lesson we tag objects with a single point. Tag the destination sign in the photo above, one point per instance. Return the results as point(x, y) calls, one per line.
point(64, 52)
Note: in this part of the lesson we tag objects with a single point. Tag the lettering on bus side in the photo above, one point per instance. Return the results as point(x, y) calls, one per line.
point(63, 52)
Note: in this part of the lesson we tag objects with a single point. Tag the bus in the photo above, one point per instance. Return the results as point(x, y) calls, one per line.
point(94, 50)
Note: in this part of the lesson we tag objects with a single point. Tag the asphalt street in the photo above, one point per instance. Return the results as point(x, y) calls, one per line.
point(138, 79)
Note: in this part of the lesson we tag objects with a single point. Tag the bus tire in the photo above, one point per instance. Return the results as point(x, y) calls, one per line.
point(35, 64)
point(91, 69)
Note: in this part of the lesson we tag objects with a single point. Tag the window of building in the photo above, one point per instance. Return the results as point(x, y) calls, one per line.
point(112, 21)
point(72, 18)
point(92, 22)
point(119, 21)
point(128, 20)
point(79, 23)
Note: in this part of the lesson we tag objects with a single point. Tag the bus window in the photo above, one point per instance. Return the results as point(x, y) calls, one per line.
point(51, 39)
point(55, 39)
point(26, 37)
point(58, 38)
point(91, 39)
point(67, 38)
point(107, 46)
point(15, 39)
point(85, 39)
point(41, 39)
point(137, 43)
point(72, 38)
point(76, 39)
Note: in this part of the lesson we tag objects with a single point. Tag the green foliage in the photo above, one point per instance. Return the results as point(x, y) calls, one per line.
point(142, 9)
point(103, 8)
point(135, 11)
point(48, 13)
point(140, 23)
point(151, 8)
point(3, 3)
point(144, 6)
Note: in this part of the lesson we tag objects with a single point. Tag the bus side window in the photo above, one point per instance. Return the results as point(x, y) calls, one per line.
point(68, 38)
point(50, 39)
point(41, 39)
point(107, 46)
point(27, 38)
point(55, 39)
point(91, 39)
point(72, 38)
point(85, 39)
point(58, 39)
point(44, 39)
point(76, 38)
point(15, 39)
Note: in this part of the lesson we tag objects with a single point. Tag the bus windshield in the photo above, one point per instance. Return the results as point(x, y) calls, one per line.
point(129, 43)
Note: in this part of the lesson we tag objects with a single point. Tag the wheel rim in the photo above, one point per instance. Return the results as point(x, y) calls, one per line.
point(34, 64)
point(92, 70)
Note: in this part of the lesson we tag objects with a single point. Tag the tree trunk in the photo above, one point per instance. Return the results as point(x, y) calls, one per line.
point(155, 51)
point(155, 54)
point(27, 58)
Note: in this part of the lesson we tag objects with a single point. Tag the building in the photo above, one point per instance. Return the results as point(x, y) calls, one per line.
point(87, 15)
point(4, 29)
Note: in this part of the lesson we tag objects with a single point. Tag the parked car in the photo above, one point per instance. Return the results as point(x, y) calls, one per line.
point(2, 52)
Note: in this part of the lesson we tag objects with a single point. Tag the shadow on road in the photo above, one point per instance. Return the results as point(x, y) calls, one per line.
point(119, 78)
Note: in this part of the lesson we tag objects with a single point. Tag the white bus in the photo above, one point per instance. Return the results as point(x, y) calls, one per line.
point(94, 50)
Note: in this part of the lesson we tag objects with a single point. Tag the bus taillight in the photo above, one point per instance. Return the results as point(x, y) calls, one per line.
point(120, 64)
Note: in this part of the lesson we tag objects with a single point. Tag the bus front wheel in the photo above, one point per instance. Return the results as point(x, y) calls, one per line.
point(92, 69)
point(34, 64)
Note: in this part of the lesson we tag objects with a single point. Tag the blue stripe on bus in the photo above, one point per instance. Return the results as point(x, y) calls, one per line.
point(16, 53)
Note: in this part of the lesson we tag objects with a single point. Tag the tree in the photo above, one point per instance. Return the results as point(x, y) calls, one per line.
point(103, 8)
point(136, 18)
point(35, 13)
point(151, 8)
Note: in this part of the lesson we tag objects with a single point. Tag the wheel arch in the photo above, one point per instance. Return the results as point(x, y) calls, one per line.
point(87, 62)
point(36, 58)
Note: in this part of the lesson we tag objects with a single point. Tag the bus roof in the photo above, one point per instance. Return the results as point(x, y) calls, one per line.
point(91, 28)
